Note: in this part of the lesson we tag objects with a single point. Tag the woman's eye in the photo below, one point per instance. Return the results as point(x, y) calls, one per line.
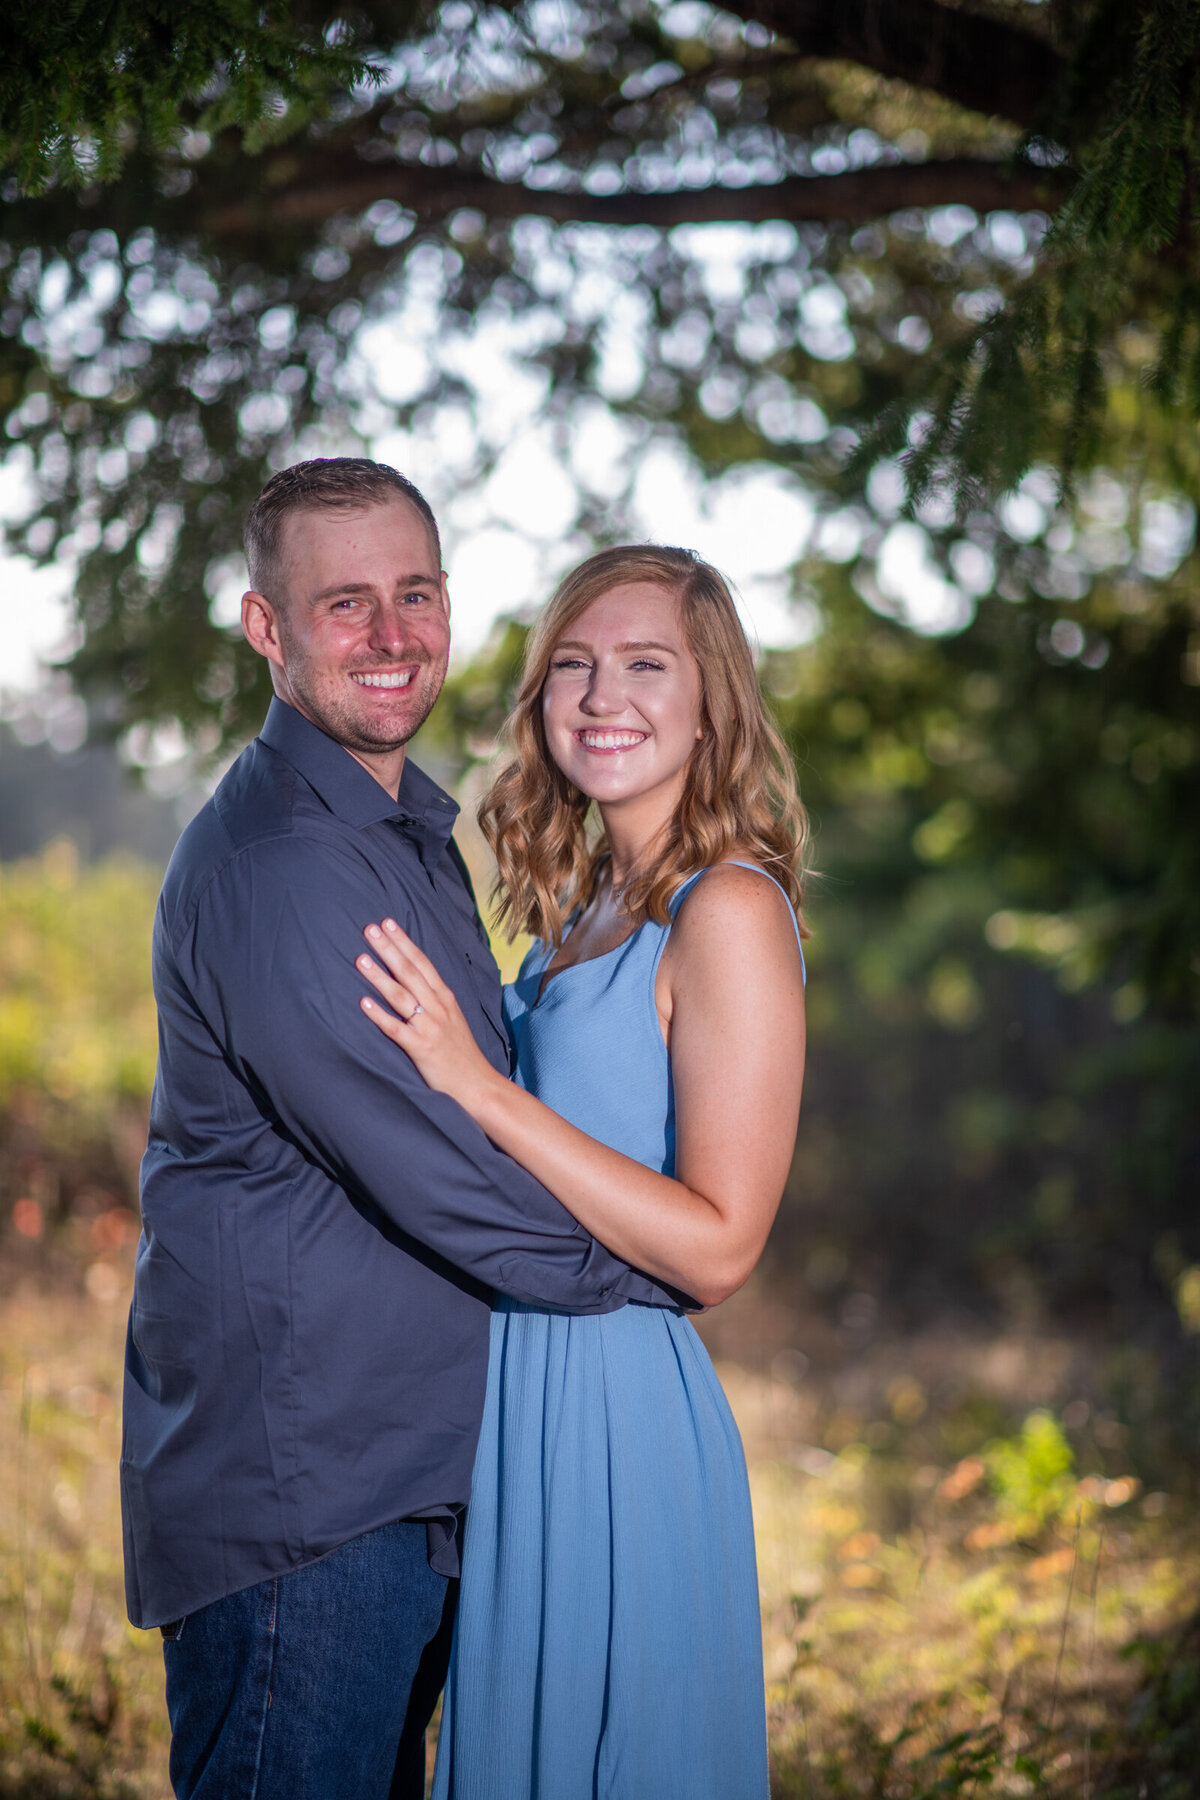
point(568, 662)
point(644, 662)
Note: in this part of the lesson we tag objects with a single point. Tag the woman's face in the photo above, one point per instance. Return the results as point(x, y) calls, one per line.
point(621, 700)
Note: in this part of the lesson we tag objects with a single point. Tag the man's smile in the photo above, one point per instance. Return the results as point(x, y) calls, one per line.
point(395, 678)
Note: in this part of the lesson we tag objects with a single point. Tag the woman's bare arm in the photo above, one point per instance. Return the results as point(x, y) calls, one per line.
point(730, 987)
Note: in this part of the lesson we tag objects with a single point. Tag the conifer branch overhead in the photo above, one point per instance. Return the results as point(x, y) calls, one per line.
point(965, 242)
point(979, 61)
point(851, 198)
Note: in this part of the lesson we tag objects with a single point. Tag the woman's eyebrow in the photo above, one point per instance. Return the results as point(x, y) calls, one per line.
point(574, 644)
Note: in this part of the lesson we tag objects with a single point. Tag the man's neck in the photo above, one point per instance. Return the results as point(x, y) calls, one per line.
point(387, 767)
point(384, 766)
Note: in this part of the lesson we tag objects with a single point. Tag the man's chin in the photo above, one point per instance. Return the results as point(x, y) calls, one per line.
point(363, 730)
point(378, 737)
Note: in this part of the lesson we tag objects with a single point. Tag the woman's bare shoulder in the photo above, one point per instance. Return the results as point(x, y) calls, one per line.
point(732, 901)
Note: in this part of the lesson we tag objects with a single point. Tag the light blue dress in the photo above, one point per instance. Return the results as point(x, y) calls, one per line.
point(608, 1641)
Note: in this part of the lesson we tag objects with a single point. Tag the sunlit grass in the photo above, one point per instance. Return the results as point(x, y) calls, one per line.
point(982, 1643)
point(80, 1691)
point(929, 1628)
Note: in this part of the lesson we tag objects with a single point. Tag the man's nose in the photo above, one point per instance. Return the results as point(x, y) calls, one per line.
point(390, 631)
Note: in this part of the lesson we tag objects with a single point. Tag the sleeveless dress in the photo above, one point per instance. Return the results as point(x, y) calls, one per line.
point(608, 1642)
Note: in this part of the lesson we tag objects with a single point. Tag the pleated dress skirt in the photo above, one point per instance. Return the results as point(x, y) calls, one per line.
point(608, 1640)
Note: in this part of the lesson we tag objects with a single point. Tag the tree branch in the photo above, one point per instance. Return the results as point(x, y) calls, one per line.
point(976, 61)
point(852, 198)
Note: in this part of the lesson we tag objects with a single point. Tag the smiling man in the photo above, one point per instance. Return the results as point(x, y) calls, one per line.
point(359, 631)
point(307, 1344)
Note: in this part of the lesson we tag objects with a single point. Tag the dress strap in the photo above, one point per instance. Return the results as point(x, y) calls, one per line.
point(681, 893)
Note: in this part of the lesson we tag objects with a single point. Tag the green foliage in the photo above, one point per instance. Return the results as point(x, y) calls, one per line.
point(167, 344)
point(1033, 1473)
point(201, 320)
point(1005, 973)
point(79, 83)
point(77, 1025)
point(1132, 191)
point(938, 1650)
point(1032, 375)
point(1154, 1751)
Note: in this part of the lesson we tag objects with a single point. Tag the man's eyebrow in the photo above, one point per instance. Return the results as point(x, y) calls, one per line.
point(367, 587)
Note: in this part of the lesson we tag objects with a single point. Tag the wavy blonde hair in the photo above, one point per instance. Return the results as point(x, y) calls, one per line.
point(739, 788)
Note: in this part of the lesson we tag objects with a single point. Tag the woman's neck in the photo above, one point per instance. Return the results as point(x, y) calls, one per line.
point(627, 853)
point(632, 833)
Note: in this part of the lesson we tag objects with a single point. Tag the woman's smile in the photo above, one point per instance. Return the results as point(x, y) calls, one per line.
point(605, 742)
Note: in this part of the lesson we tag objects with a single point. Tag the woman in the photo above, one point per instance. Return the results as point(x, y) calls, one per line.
point(608, 1639)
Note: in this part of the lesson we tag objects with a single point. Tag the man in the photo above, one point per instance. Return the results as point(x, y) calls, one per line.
point(308, 1338)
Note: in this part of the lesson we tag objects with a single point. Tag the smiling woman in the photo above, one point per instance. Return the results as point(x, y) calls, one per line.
point(621, 710)
point(658, 1031)
point(736, 786)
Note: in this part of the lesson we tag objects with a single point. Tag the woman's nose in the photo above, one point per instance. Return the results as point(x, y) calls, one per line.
point(603, 692)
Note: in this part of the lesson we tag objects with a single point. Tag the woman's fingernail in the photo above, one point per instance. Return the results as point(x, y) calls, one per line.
point(390, 925)
point(364, 963)
point(367, 1005)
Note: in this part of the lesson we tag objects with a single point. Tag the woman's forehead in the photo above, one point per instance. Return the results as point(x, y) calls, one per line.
point(630, 611)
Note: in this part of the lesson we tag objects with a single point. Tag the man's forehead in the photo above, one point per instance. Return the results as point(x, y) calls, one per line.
point(305, 522)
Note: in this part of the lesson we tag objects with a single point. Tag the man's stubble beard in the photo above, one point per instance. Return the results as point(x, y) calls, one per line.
point(337, 719)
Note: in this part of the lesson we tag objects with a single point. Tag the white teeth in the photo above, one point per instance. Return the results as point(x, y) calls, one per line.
point(384, 681)
point(611, 740)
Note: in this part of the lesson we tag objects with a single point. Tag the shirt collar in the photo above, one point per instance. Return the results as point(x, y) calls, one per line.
point(423, 810)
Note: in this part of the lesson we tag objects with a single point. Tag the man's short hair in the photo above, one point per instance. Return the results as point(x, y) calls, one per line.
point(324, 484)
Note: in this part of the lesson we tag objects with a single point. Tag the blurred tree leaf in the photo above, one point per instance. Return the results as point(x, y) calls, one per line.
point(1001, 405)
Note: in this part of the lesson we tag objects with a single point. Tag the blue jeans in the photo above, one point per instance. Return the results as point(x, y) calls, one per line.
point(317, 1685)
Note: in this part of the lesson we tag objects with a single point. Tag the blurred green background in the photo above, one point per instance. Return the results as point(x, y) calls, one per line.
point(895, 314)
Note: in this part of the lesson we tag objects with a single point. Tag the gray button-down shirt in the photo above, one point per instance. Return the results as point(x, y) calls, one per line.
point(307, 1344)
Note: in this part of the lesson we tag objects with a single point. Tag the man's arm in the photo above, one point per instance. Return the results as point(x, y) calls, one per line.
point(269, 959)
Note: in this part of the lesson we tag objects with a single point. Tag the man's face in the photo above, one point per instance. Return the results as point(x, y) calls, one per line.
point(359, 633)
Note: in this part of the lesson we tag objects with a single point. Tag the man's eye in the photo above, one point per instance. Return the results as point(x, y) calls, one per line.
point(415, 599)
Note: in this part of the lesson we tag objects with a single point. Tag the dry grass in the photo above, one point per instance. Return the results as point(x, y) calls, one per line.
point(973, 1645)
point(81, 1696)
point(908, 1603)
point(949, 1604)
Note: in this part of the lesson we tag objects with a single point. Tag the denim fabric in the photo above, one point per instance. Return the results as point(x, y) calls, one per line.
point(317, 1685)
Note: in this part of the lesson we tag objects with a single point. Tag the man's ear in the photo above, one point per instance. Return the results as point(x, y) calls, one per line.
point(445, 594)
point(260, 625)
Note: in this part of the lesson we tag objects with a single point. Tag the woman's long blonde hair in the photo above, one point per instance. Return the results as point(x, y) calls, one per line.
point(739, 789)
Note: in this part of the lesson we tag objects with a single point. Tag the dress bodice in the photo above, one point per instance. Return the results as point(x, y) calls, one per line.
point(591, 1047)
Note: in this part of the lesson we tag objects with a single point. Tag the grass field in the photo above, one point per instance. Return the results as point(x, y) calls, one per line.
point(948, 1604)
